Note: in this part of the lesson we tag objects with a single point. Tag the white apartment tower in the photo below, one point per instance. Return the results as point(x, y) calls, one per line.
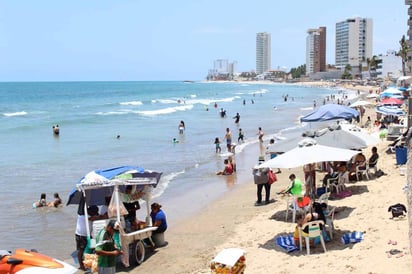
point(353, 42)
point(262, 52)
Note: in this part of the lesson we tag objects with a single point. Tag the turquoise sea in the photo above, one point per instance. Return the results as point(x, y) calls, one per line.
point(146, 115)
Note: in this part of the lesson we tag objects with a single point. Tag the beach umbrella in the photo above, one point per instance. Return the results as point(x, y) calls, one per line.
point(361, 133)
point(361, 103)
point(372, 95)
point(98, 184)
point(333, 136)
point(391, 101)
point(392, 93)
point(330, 112)
point(390, 110)
point(309, 151)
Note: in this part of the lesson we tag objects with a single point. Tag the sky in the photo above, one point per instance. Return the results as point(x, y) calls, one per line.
point(133, 40)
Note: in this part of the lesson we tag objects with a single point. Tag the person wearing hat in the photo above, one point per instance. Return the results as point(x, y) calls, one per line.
point(158, 218)
point(106, 248)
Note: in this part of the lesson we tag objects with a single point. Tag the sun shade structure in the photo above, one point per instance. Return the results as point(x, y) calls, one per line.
point(309, 151)
point(330, 112)
point(98, 184)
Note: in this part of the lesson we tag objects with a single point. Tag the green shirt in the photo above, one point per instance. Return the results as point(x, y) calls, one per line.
point(296, 187)
point(106, 243)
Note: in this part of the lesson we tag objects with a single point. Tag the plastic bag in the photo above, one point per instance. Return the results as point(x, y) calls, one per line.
point(112, 210)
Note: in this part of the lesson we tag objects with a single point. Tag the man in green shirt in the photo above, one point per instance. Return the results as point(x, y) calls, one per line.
point(295, 188)
point(106, 248)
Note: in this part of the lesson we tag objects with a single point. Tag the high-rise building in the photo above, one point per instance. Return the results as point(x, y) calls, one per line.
point(262, 52)
point(408, 68)
point(353, 42)
point(316, 50)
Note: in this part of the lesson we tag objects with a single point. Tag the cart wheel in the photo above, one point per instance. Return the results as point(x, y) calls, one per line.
point(139, 252)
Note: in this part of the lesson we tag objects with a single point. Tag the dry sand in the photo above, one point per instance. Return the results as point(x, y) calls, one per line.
point(234, 221)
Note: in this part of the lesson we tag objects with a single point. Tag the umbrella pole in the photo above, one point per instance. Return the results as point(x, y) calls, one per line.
point(86, 216)
point(147, 198)
point(116, 197)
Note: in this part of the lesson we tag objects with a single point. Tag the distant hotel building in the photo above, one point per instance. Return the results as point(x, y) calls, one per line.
point(353, 42)
point(316, 50)
point(262, 52)
point(408, 68)
point(222, 70)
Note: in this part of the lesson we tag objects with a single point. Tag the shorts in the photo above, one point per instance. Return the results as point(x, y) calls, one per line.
point(81, 242)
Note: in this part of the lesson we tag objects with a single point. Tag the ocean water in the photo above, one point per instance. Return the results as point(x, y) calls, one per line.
point(146, 115)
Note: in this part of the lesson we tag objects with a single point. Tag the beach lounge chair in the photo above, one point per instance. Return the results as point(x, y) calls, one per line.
point(314, 231)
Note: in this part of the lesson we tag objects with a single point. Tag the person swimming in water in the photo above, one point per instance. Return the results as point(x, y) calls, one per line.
point(56, 130)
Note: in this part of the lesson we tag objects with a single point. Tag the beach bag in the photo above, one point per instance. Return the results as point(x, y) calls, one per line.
point(112, 209)
point(272, 177)
point(397, 210)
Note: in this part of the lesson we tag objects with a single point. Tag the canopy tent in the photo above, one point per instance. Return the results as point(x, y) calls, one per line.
point(330, 112)
point(390, 110)
point(308, 152)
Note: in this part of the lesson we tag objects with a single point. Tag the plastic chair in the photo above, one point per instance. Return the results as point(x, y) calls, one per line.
point(292, 204)
point(363, 171)
point(342, 179)
point(331, 181)
point(373, 165)
point(324, 198)
point(329, 227)
point(314, 232)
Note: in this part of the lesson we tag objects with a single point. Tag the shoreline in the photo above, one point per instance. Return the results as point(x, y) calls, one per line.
point(234, 221)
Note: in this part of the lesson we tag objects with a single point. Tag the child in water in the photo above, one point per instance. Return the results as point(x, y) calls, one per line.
point(217, 144)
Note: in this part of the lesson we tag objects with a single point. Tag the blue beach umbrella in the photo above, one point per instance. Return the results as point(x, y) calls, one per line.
point(330, 112)
point(100, 183)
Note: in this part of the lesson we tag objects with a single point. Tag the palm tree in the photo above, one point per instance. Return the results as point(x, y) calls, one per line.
point(372, 66)
point(403, 53)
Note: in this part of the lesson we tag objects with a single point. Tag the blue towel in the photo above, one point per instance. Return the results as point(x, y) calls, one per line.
point(287, 243)
point(352, 237)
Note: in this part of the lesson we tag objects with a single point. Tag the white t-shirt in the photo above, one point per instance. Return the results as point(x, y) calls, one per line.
point(81, 225)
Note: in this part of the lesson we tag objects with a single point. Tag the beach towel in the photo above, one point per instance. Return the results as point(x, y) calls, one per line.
point(352, 237)
point(287, 243)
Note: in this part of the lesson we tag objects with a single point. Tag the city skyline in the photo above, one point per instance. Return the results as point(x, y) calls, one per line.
point(179, 40)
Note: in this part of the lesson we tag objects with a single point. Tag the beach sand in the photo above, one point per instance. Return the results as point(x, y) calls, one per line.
point(234, 221)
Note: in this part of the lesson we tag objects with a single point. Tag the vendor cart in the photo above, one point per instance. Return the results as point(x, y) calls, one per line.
point(96, 185)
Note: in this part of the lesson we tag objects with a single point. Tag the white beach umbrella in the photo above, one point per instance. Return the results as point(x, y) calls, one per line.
point(307, 152)
point(361, 103)
point(361, 133)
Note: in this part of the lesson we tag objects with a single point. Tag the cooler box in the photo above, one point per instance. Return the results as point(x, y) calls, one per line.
point(401, 155)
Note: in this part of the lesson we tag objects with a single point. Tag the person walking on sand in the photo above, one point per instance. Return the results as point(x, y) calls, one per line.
point(260, 134)
point(228, 138)
point(181, 127)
